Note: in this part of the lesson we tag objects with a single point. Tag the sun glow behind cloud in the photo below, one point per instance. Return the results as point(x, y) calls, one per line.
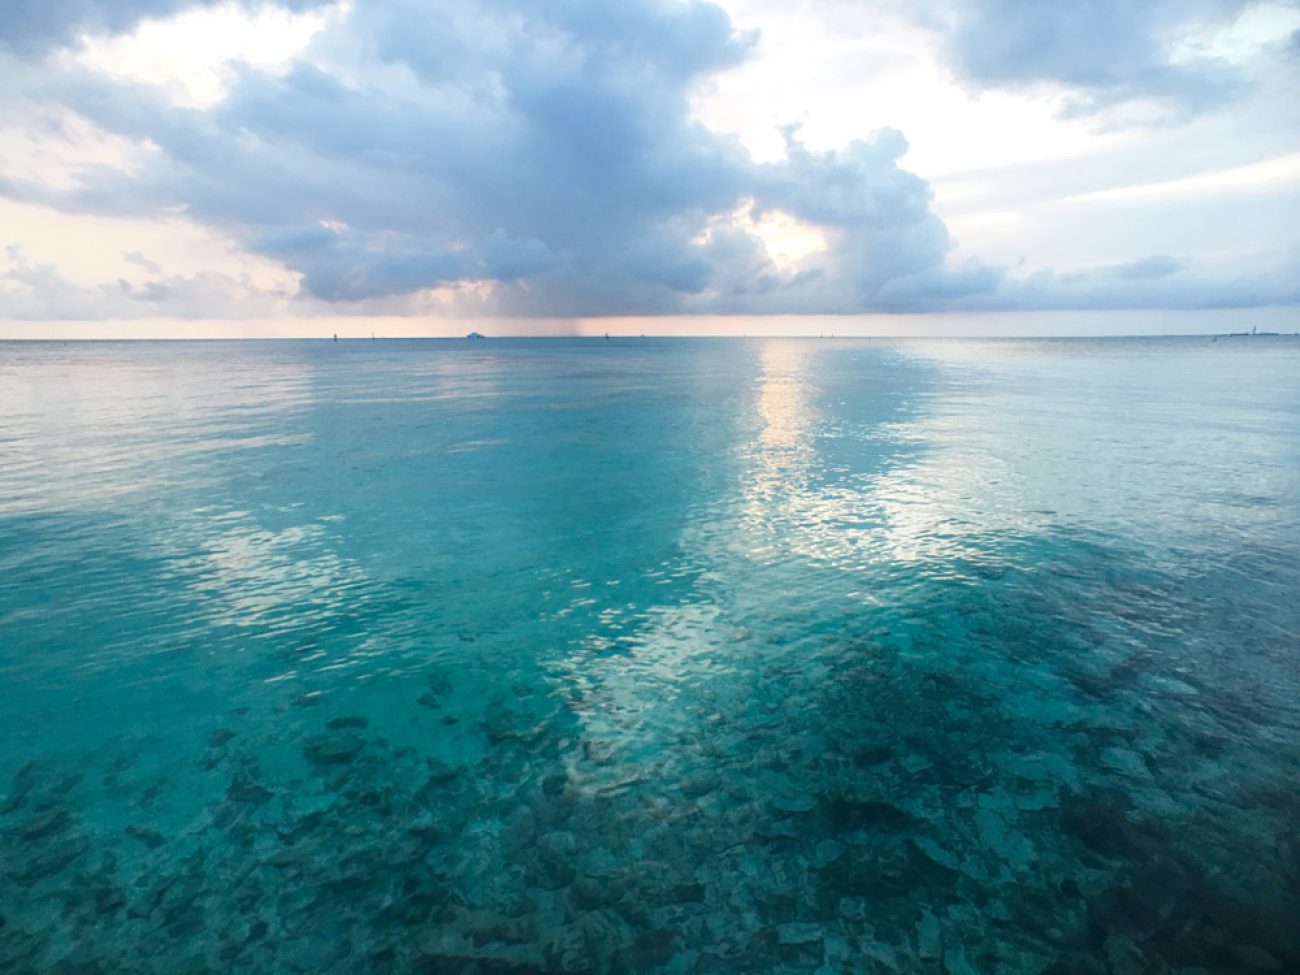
point(786, 239)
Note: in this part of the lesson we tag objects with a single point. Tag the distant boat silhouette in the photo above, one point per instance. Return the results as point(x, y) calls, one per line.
point(474, 335)
point(1253, 333)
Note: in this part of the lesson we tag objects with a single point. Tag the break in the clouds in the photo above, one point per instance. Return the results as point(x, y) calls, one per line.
point(528, 159)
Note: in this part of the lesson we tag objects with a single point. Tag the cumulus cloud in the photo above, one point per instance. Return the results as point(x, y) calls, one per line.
point(538, 159)
point(547, 149)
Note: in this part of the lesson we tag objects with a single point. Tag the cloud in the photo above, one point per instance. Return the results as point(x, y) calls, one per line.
point(142, 260)
point(514, 158)
point(1104, 53)
point(33, 27)
point(1159, 281)
point(1147, 269)
point(549, 150)
point(31, 291)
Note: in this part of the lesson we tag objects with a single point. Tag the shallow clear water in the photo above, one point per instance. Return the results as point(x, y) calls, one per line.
point(661, 655)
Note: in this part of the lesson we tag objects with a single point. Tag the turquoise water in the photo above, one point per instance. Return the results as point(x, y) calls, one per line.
point(650, 656)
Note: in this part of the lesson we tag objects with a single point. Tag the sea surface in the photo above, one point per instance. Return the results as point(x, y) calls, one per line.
point(681, 656)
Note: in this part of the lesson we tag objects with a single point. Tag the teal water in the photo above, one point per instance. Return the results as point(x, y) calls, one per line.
point(650, 656)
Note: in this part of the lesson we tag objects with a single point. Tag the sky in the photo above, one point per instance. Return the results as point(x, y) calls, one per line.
point(299, 167)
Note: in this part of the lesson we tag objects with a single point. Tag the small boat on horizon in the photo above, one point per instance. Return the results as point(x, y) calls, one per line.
point(1253, 333)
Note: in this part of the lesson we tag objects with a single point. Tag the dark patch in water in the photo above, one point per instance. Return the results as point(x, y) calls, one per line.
point(151, 838)
point(352, 721)
point(1104, 824)
point(246, 790)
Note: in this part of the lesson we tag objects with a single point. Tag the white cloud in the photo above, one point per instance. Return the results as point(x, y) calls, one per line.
point(841, 70)
point(90, 250)
point(1256, 176)
point(192, 55)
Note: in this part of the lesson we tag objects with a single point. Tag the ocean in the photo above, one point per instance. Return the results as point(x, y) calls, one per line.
point(650, 655)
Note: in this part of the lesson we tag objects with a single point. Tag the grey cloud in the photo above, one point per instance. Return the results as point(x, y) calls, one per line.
point(1106, 52)
point(142, 260)
point(1156, 266)
point(890, 249)
point(31, 27)
point(1155, 282)
point(548, 149)
point(507, 258)
point(35, 291)
point(343, 265)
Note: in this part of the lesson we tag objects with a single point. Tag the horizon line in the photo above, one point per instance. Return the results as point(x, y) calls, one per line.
point(332, 339)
